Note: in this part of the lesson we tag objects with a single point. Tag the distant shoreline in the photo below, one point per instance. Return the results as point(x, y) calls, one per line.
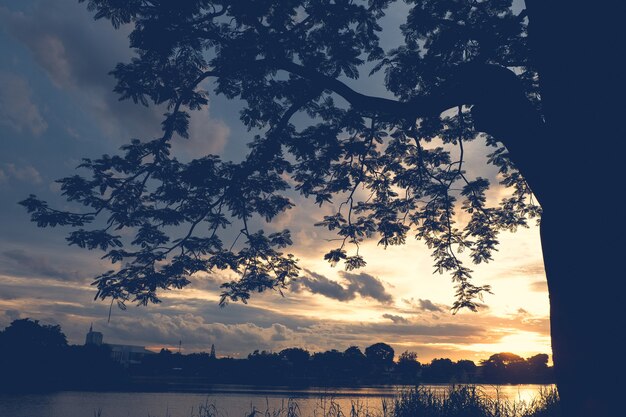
point(295, 391)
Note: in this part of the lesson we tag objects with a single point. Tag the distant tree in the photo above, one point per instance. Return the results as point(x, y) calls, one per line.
point(539, 361)
point(439, 370)
point(298, 360)
point(408, 367)
point(504, 358)
point(327, 366)
point(380, 354)
point(545, 84)
point(91, 367)
point(503, 367)
point(264, 367)
point(354, 363)
point(538, 368)
point(353, 353)
point(465, 370)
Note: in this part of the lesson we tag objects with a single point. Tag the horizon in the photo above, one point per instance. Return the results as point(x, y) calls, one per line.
point(180, 349)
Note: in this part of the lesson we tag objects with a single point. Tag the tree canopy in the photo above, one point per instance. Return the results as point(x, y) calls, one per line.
point(393, 165)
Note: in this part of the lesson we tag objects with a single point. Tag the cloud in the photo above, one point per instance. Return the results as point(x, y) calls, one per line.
point(77, 54)
point(280, 333)
point(240, 329)
point(424, 305)
point(395, 318)
point(539, 286)
point(428, 305)
point(319, 284)
point(531, 269)
point(351, 285)
point(8, 317)
point(17, 109)
point(25, 173)
point(367, 285)
point(206, 136)
point(20, 263)
point(196, 333)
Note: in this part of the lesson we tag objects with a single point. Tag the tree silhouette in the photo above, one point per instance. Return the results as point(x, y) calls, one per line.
point(29, 335)
point(499, 365)
point(542, 95)
point(31, 355)
point(465, 370)
point(408, 366)
point(439, 370)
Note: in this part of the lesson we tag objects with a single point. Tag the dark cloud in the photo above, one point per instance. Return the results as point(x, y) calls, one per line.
point(70, 47)
point(367, 285)
point(395, 318)
point(77, 54)
point(424, 305)
point(319, 284)
point(349, 288)
point(428, 305)
point(21, 263)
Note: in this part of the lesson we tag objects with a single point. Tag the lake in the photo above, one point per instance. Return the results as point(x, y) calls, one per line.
point(230, 401)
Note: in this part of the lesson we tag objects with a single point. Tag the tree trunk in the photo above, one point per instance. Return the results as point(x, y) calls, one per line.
point(576, 47)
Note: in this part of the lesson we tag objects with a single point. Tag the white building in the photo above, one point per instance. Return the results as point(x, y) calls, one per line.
point(124, 354)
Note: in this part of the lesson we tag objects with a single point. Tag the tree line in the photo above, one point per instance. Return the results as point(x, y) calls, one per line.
point(377, 364)
point(38, 357)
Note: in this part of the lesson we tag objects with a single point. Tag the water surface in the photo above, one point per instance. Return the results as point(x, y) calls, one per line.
point(230, 401)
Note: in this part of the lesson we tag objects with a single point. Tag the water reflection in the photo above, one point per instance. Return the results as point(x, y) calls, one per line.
point(230, 401)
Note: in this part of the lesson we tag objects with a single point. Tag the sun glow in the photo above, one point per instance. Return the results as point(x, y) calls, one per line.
point(521, 343)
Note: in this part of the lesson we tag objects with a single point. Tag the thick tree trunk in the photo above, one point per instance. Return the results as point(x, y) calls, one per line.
point(585, 313)
point(577, 47)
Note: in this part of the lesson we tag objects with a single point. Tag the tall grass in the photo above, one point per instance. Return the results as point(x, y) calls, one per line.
point(469, 401)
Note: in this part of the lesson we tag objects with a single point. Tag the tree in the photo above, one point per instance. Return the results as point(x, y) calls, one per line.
point(408, 366)
point(544, 85)
point(298, 360)
point(503, 367)
point(353, 353)
point(439, 370)
point(26, 335)
point(465, 370)
point(539, 361)
point(380, 355)
point(31, 355)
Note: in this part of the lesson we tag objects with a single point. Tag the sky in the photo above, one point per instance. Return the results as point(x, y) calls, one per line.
point(57, 106)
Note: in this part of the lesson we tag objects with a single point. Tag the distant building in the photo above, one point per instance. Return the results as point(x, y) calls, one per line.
point(128, 354)
point(93, 338)
point(124, 354)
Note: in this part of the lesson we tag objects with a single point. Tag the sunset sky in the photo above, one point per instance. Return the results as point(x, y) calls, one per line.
point(57, 106)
